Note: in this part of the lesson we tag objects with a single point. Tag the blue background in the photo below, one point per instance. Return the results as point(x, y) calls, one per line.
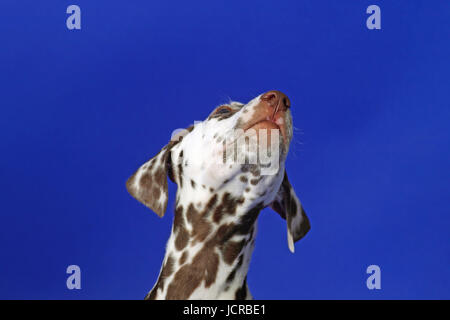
point(81, 110)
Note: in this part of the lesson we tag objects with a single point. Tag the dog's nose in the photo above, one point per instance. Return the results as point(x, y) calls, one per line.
point(276, 98)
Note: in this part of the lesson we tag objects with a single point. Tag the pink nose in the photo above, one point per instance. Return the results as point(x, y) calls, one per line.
point(276, 98)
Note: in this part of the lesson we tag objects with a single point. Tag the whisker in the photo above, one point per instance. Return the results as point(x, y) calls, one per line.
point(296, 142)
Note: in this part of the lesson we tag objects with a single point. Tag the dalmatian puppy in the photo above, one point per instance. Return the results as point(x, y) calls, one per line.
point(227, 168)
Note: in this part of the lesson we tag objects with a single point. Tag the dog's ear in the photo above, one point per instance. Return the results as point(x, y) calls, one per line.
point(148, 184)
point(288, 206)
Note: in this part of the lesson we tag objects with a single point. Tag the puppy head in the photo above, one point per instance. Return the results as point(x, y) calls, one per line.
point(238, 151)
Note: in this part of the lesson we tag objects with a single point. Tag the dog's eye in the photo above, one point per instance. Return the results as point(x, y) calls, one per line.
point(223, 111)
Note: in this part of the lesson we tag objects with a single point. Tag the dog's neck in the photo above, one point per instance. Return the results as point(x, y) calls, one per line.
point(209, 249)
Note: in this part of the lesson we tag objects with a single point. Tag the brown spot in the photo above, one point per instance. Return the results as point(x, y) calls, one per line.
point(160, 176)
point(231, 276)
point(211, 203)
point(212, 262)
point(243, 179)
point(224, 116)
point(227, 206)
point(146, 181)
point(168, 268)
point(218, 213)
point(182, 238)
point(201, 230)
point(184, 257)
point(178, 220)
point(180, 175)
point(241, 293)
point(255, 171)
point(150, 167)
point(224, 233)
point(231, 250)
point(156, 192)
point(235, 269)
point(247, 189)
point(255, 181)
point(200, 226)
point(247, 221)
point(191, 214)
point(193, 184)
